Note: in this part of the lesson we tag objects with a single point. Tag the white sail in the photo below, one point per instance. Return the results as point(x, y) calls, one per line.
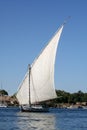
point(23, 91)
point(42, 75)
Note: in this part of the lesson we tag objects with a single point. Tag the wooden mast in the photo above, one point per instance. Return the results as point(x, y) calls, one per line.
point(29, 85)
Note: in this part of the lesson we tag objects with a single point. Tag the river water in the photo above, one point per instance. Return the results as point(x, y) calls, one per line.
point(56, 119)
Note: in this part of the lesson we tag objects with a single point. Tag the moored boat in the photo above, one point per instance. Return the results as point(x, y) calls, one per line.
point(36, 108)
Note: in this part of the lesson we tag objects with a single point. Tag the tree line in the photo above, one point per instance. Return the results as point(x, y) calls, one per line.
point(3, 92)
point(62, 96)
point(66, 97)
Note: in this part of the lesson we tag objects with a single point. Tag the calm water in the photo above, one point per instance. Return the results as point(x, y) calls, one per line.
point(56, 119)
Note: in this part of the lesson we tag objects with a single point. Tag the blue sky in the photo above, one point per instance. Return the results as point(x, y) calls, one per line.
point(25, 28)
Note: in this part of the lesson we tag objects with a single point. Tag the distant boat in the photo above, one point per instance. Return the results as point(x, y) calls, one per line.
point(38, 83)
point(2, 105)
point(72, 107)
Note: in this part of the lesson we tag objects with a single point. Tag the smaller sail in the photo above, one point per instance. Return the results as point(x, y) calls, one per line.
point(23, 91)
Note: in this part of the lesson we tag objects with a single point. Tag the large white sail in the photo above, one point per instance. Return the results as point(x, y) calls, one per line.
point(42, 86)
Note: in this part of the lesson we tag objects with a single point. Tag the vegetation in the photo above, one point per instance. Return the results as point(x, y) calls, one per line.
point(63, 98)
point(3, 92)
point(66, 97)
point(14, 95)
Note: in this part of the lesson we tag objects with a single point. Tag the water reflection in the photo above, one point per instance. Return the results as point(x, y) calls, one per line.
point(56, 119)
point(35, 121)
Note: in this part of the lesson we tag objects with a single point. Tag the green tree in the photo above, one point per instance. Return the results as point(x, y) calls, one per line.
point(3, 92)
point(66, 97)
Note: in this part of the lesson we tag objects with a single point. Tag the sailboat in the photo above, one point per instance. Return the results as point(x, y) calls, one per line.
point(38, 83)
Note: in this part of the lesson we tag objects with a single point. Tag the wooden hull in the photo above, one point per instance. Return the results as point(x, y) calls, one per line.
point(34, 109)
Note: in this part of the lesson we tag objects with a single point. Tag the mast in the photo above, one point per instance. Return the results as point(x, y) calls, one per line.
point(29, 85)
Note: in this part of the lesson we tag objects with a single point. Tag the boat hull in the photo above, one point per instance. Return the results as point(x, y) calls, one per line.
point(34, 109)
point(3, 106)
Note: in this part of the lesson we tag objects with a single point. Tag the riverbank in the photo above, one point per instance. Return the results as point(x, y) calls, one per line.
point(12, 101)
point(8, 100)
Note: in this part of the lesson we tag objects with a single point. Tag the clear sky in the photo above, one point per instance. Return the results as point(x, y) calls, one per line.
point(25, 28)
